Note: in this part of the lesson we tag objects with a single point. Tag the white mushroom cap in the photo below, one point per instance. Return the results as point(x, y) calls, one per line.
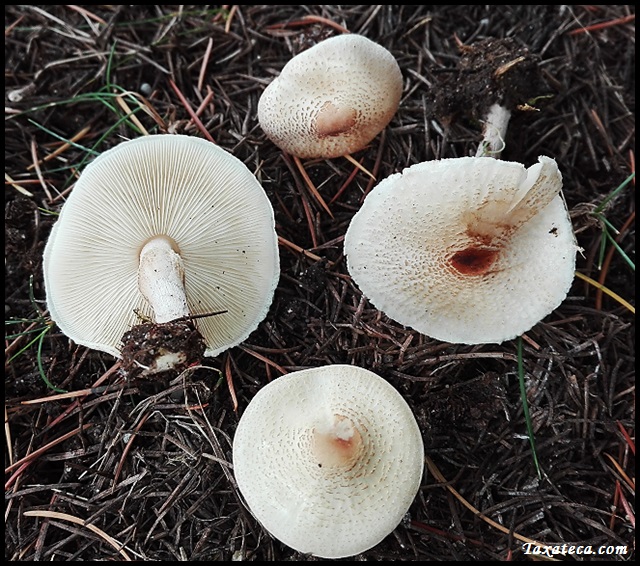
point(328, 459)
point(332, 99)
point(468, 250)
point(192, 197)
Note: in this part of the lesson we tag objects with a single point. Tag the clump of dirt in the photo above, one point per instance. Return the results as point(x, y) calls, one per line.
point(149, 348)
point(490, 71)
point(18, 215)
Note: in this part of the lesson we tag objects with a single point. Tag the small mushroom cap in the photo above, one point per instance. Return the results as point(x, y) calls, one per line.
point(468, 250)
point(328, 459)
point(196, 194)
point(331, 99)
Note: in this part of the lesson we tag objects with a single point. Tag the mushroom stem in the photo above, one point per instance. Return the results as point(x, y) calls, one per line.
point(494, 133)
point(161, 280)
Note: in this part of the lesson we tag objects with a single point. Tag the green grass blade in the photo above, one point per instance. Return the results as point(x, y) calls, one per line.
point(613, 194)
point(61, 138)
point(43, 374)
point(41, 331)
point(615, 244)
point(525, 408)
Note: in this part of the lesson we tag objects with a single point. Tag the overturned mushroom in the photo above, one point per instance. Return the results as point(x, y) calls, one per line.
point(328, 459)
point(469, 250)
point(332, 99)
point(162, 228)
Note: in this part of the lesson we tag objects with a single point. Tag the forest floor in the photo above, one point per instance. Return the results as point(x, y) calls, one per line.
point(102, 467)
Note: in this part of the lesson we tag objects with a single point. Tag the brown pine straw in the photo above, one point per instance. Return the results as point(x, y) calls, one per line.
point(61, 149)
point(193, 115)
point(438, 475)
point(229, 376)
point(312, 187)
point(263, 359)
point(122, 103)
point(607, 260)
point(609, 292)
point(603, 25)
point(30, 458)
point(76, 520)
point(310, 19)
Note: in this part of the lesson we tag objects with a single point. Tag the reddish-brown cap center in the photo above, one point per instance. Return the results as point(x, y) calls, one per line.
point(474, 260)
point(334, 120)
point(338, 445)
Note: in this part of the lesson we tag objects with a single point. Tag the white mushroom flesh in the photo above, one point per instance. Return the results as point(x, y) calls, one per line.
point(468, 250)
point(332, 99)
point(494, 132)
point(161, 280)
point(328, 459)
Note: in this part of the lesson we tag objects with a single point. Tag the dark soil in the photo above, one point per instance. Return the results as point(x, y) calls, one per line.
point(100, 465)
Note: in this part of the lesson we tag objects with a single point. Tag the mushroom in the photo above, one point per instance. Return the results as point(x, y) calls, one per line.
point(328, 459)
point(162, 228)
point(468, 250)
point(332, 99)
